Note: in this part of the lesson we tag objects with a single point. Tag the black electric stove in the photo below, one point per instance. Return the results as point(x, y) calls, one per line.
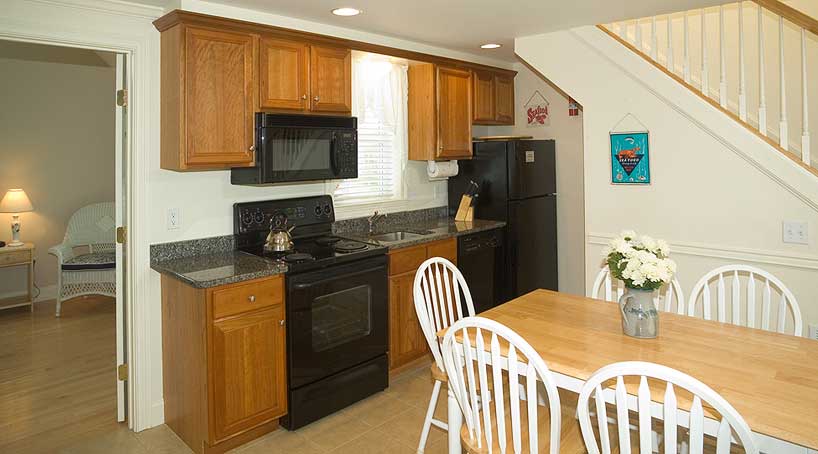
point(337, 305)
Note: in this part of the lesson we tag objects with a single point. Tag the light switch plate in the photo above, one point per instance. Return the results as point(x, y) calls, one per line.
point(795, 232)
point(174, 220)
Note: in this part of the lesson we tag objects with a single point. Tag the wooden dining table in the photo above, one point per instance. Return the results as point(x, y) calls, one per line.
point(771, 379)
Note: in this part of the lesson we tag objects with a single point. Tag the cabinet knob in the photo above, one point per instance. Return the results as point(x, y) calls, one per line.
point(303, 96)
point(252, 148)
point(316, 99)
point(281, 322)
point(252, 298)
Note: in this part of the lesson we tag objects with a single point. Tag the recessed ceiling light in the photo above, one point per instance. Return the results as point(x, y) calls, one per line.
point(491, 46)
point(346, 11)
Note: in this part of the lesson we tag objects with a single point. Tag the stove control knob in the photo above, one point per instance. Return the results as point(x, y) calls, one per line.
point(246, 218)
point(258, 217)
point(327, 209)
point(318, 210)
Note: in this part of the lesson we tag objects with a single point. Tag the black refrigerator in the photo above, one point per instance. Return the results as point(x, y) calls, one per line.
point(518, 185)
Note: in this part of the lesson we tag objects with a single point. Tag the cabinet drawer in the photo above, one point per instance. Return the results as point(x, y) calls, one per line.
point(405, 260)
point(446, 249)
point(246, 297)
point(11, 258)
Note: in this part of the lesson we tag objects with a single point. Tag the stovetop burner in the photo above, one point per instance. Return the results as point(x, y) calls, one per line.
point(349, 246)
point(327, 240)
point(298, 257)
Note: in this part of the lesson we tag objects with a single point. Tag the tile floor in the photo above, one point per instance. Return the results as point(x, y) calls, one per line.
point(388, 422)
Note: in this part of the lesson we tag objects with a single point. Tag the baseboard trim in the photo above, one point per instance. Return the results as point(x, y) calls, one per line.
point(769, 257)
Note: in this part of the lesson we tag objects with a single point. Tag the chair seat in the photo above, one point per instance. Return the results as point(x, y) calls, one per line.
point(570, 435)
point(92, 261)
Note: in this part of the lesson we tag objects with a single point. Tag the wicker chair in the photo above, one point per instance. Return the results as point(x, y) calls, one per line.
point(94, 272)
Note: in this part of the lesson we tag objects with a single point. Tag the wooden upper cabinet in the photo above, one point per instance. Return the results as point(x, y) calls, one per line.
point(493, 98)
point(248, 371)
point(504, 99)
point(484, 97)
point(284, 74)
point(331, 79)
point(208, 98)
point(440, 112)
point(454, 113)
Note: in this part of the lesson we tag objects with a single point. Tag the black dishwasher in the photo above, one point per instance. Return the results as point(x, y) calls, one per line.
point(480, 257)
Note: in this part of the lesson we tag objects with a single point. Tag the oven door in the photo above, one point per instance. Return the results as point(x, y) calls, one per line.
point(298, 154)
point(338, 318)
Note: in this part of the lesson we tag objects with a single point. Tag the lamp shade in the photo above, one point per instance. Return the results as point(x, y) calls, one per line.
point(15, 201)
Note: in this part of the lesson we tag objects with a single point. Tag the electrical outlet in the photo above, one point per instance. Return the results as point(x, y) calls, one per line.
point(795, 232)
point(174, 219)
point(813, 331)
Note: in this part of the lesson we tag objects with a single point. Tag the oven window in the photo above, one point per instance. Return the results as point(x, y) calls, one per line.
point(341, 317)
point(300, 149)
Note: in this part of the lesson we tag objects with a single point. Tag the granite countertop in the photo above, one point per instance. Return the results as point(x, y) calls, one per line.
point(219, 268)
point(434, 229)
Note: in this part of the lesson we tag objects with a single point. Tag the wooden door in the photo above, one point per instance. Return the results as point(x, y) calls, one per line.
point(219, 98)
point(406, 340)
point(453, 113)
point(331, 79)
point(504, 99)
point(247, 371)
point(283, 74)
point(484, 97)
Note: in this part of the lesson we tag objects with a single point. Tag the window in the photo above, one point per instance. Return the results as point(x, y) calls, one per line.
point(379, 100)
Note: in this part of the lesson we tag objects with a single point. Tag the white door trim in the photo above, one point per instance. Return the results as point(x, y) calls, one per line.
point(124, 28)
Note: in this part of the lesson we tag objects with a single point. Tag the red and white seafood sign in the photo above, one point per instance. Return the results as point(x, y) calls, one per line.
point(537, 113)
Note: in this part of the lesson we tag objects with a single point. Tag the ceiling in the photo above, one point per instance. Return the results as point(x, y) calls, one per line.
point(466, 24)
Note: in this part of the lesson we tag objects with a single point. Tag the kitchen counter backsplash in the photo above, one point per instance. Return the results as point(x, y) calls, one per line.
point(181, 249)
point(389, 223)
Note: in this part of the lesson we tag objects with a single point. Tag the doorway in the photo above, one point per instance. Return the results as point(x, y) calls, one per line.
point(64, 141)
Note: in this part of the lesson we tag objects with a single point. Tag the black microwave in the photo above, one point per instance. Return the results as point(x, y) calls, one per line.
point(301, 148)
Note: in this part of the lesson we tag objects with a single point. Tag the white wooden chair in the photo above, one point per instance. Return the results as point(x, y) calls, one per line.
point(92, 273)
point(441, 295)
point(670, 297)
point(691, 416)
point(497, 379)
point(766, 302)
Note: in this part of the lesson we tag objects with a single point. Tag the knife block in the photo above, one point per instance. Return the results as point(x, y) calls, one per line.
point(465, 211)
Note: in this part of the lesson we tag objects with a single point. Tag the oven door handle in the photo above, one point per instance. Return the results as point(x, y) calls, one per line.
point(307, 285)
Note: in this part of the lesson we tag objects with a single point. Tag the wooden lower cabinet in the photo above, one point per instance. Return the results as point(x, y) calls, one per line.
point(406, 340)
point(225, 380)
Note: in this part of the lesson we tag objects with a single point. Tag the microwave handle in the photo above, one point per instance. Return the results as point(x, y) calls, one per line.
point(333, 153)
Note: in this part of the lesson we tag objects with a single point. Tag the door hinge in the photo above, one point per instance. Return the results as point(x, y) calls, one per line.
point(121, 235)
point(122, 372)
point(122, 98)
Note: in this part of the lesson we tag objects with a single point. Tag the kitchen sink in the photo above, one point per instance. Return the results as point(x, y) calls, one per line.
point(393, 237)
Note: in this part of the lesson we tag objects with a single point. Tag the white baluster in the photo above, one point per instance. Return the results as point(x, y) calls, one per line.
point(722, 61)
point(670, 44)
point(805, 157)
point(783, 129)
point(742, 79)
point(686, 62)
point(762, 92)
point(654, 42)
point(623, 30)
point(638, 35)
point(705, 77)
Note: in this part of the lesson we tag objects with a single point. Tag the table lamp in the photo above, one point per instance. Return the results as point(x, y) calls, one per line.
point(15, 202)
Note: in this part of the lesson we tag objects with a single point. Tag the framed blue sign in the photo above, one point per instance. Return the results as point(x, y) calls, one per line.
point(630, 158)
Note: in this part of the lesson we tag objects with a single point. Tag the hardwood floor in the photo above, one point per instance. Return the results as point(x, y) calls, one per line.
point(57, 375)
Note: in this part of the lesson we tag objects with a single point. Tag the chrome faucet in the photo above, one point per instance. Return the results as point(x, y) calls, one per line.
point(373, 219)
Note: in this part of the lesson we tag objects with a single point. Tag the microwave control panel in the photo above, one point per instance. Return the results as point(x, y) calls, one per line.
point(347, 154)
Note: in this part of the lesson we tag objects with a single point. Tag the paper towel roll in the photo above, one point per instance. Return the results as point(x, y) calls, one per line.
point(439, 170)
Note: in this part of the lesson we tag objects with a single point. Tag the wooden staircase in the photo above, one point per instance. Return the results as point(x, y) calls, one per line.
point(674, 43)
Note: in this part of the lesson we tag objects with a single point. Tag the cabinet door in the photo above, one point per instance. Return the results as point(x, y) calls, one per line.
point(504, 99)
point(484, 97)
point(454, 113)
point(406, 340)
point(219, 98)
point(247, 371)
point(331, 79)
point(283, 73)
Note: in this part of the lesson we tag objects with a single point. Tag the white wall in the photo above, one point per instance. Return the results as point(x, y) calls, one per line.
point(719, 194)
point(56, 142)
point(567, 133)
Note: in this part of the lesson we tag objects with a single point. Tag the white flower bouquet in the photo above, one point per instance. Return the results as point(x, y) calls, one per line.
point(641, 262)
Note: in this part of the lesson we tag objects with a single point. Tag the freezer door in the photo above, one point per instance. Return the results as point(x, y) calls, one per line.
point(531, 169)
point(532, 244)
point(487, 168)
